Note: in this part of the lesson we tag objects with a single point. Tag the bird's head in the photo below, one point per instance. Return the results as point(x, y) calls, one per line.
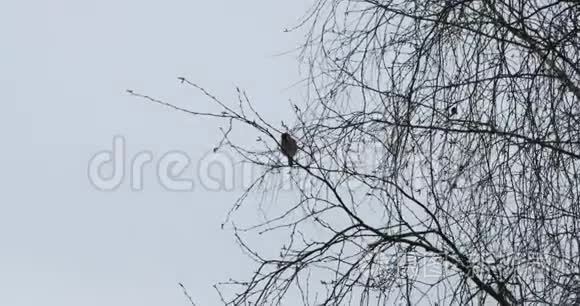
point(285, 136)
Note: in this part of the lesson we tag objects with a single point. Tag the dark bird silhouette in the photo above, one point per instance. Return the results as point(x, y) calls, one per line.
point(288, 147)
point(453, 110)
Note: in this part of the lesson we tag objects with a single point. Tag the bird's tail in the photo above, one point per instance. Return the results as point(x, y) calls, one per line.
point(290, 161)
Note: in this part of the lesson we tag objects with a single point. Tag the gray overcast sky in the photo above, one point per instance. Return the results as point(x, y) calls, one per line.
point(64, 68)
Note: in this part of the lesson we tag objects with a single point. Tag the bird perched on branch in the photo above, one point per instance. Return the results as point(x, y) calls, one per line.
point(288, 147)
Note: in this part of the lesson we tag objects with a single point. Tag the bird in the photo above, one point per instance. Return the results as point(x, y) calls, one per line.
point(288, 147)
point(453, 110)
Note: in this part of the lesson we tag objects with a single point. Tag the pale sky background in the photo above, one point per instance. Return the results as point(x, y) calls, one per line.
point(64, 69)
